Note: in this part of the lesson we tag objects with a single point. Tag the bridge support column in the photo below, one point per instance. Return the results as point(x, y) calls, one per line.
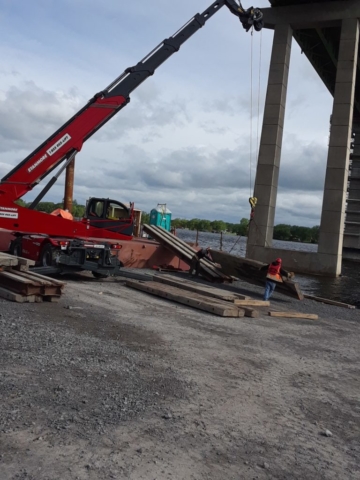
point(337, 171)
point(351, 247)
point(266, 182)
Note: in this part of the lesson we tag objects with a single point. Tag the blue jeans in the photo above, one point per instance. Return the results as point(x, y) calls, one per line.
point(269, 289)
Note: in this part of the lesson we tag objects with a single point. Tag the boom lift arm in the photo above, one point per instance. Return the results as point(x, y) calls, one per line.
point(68, 139)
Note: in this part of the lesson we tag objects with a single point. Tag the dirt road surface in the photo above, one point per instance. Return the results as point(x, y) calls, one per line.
point(112, 383)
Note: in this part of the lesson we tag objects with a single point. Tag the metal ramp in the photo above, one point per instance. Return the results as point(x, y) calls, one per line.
point(183, 251)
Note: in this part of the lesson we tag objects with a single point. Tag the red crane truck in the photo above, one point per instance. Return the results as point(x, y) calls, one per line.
point(89, 243)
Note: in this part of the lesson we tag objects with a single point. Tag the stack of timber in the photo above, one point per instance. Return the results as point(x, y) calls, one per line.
point(19, 284)
point(249, 270)
point(183, 251)
point(202, 297)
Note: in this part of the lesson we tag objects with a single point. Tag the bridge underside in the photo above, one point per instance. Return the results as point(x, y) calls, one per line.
point(327, 31)
point(321, 47)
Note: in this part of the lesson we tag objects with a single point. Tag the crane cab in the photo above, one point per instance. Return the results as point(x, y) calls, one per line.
point(110, 215)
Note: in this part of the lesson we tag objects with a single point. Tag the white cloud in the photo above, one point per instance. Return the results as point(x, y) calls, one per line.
point(28, 114)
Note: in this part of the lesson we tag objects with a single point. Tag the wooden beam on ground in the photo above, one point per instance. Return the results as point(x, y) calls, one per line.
point(53, 281)
point(207, 290)
point(26, 286)
point(16, 297)
point(190, 299)
point(247, 311)
point(329, 302)
point(8, 260)
point(252, 303)
point(309, 316)
point(251, 312)
point(17, 284)
point(198, 288)
point(41, 279)
point(25, 262)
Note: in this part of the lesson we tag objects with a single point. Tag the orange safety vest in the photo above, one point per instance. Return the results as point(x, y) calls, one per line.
point(274, 273)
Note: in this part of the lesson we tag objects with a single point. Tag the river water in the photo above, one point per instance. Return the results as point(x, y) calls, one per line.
point(343, 289)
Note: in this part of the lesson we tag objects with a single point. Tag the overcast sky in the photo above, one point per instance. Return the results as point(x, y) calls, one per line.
point(184, 139)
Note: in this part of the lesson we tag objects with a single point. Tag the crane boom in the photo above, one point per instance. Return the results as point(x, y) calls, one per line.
point(69, 139)
point(63, 145)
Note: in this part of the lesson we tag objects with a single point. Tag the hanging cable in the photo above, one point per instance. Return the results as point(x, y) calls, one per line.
point(237, 241)
point(252, 200)
point(258, 113)
point(251, 104)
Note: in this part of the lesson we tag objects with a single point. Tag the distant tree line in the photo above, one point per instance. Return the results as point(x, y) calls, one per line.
point(215, 226)
point(292, 233)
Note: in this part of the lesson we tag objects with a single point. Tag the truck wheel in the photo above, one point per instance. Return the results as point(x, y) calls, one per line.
point(16, 247)
point(46, 256)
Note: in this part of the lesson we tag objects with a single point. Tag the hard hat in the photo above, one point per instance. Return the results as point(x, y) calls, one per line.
point(279, 260)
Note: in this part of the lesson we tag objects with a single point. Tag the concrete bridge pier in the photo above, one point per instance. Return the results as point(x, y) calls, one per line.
point(351, 247)
point(328, 259)
point(267, 174)
point(337, 171)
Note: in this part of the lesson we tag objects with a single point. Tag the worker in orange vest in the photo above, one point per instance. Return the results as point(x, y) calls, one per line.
point(274, 275)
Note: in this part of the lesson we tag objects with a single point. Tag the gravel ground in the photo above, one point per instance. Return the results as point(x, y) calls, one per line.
point(111, 383)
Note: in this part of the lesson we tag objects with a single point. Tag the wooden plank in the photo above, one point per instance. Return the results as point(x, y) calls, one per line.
point(51, 290)
point(26, 262)
point(329, 302)
point(16, 297)
point(202, 285)
point(251, 312)
point(252, 303)
point(20, 268)
point(18, 278)
point(8, 260)
point(25, 284)
point(186, 298)
point(51, 298)
point(207, 290)
point(195, 287)
point(46, 285)
point(30, 276)
point(52, 280)
point(246, 311)
point(309, 316)
point(11, 260)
